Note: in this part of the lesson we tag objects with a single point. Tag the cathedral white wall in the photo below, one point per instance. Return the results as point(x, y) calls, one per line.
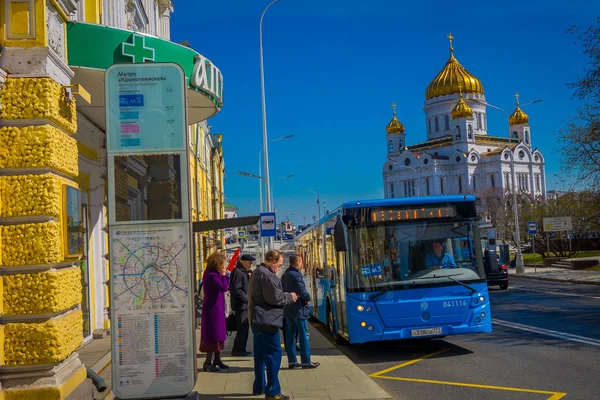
point(441, 108)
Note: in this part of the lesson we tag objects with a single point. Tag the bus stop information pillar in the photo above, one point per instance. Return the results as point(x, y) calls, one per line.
point(151, 279)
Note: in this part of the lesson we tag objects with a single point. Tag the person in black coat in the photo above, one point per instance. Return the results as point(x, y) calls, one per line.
point(238, 288)
point(296, 315)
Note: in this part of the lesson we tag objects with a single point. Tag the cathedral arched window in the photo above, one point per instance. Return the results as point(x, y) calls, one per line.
point(515, 135)
point(427, 186)
point(429, 125)
point(400, 145)
point(437, 124)
point(457, 132)
point(460, 188)
point(484, 122)
point(391, 147)
point(478, 121)
point(474, 183)
point(470, 131)
point(447, 122)
point(441, 185)
point(526, 137)
point(493, 180)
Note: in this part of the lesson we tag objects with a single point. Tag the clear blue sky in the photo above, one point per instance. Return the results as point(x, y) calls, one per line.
point(334, 67)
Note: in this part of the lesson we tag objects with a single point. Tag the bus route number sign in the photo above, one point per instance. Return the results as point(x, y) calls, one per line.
point(369, 271)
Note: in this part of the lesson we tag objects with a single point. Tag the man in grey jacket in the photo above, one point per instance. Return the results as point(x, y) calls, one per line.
point(265, 306)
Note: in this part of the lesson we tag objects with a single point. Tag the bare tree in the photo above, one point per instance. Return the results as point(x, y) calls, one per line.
point(580, 138)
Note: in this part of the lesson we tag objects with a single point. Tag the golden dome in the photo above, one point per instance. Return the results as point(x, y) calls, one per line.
point(451, 77)
point(395, 126)
point(461, 109)
point(518, 116)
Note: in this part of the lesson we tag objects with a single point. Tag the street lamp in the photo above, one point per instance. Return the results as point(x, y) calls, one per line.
point(264, 116)
point(520, 266)
point(318, 199)
point(260, 167)
point(275, 180)
point(414, 170)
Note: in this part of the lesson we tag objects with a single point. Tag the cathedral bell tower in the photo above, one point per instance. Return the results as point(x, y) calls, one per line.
point(396, 139)
point(462, 121)
point(519, 125)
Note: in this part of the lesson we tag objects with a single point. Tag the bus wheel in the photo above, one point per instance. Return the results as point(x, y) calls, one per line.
point(337, 339)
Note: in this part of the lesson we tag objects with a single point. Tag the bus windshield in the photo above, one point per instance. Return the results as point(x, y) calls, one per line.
point(412, 254)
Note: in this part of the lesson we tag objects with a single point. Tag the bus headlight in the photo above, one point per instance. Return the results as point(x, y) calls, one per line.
point(369, 309)
point(482, 315)
point(363, 324)
point(360, 307)
point(370, 328)
point(481, 299)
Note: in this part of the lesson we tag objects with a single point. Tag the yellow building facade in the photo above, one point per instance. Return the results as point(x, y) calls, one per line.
point(53, 215)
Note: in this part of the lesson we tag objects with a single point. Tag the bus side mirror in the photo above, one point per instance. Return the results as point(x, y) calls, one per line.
point(339, 235)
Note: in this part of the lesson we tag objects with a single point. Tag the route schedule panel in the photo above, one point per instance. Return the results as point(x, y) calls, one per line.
point(150, 273)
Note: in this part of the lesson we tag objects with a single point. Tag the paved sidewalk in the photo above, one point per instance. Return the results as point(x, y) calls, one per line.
point(557, 275)
point(336, 379)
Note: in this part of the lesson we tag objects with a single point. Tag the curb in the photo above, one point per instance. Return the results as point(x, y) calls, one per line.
point(573, 281)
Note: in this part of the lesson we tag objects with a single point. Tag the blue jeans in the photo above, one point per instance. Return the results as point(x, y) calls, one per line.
point(267, 354)
point(300, 326)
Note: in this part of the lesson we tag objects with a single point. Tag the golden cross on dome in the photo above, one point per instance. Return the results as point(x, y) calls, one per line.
point(394, 108)
point(450, 38)
point(460, 90)
point(517, 97)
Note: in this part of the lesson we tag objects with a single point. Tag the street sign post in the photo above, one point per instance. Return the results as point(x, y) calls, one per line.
point(241, 234)
point(268, 227)
point(532, 227)
point(559, 224)
point(150, 247)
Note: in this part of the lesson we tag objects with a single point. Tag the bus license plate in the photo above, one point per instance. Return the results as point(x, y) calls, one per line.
point(426, 332)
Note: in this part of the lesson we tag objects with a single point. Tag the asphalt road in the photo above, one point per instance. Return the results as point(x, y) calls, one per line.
point(545, 344)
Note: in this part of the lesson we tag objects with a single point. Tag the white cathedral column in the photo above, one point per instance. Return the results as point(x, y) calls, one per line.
point(165, 8)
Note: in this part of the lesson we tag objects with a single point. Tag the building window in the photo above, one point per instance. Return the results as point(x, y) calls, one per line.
point(484, 122)
point(457, 132)
point(437, 124)
point(407, 161)
point(400, 145)
point(447, 122)
point(515, 135)
point(427, 186)
point(391, 189)
point(441, 185)
point(537, 183)
point(390, 147)
point(493, 180)
point(526, 137)
point(460, 188)
point(426, 161)
point(507, 180)
point(470, 130)
point(405, 189)
point(474, 183)
point(429, 125)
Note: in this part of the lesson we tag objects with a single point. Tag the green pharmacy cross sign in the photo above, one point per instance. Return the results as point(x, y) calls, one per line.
point(137, 50)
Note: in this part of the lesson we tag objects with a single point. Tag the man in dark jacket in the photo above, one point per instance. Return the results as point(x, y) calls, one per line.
point(296, 315)
point(238, 288)
point(266, 302)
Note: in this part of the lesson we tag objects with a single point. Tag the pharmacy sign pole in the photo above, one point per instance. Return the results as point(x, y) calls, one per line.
point(151, 279)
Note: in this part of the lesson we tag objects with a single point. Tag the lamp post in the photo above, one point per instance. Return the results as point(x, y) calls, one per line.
point(520, 265)
point(275, 180)
point(414, 170)
point(264, 117)
point(260, 167)
point(318, 199)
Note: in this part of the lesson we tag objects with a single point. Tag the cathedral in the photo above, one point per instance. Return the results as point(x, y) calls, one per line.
point(459, 156)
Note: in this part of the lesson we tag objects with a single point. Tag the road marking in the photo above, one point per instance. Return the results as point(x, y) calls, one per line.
point(555, 395)
point(548, 332)
point(416, 360)
point(380, 375)
point(557, 293)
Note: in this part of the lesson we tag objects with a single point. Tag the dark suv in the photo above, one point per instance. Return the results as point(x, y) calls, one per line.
point(496, 273)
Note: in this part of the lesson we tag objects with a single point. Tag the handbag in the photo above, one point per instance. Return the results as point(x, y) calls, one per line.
point(231, 323)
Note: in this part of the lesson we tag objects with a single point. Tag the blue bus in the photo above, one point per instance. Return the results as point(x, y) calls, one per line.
point(397, 268)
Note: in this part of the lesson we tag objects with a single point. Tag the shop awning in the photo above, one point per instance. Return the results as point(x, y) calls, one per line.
point(217, 224)
point(93, 48)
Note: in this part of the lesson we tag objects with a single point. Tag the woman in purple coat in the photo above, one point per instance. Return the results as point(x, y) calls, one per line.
point(215, 284)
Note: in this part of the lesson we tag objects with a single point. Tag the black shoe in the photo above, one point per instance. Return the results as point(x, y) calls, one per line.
point(241, 353)
point(310, 365)
point(277, 397)
point(210, 368)
point(221, 365)
point(295, 366)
